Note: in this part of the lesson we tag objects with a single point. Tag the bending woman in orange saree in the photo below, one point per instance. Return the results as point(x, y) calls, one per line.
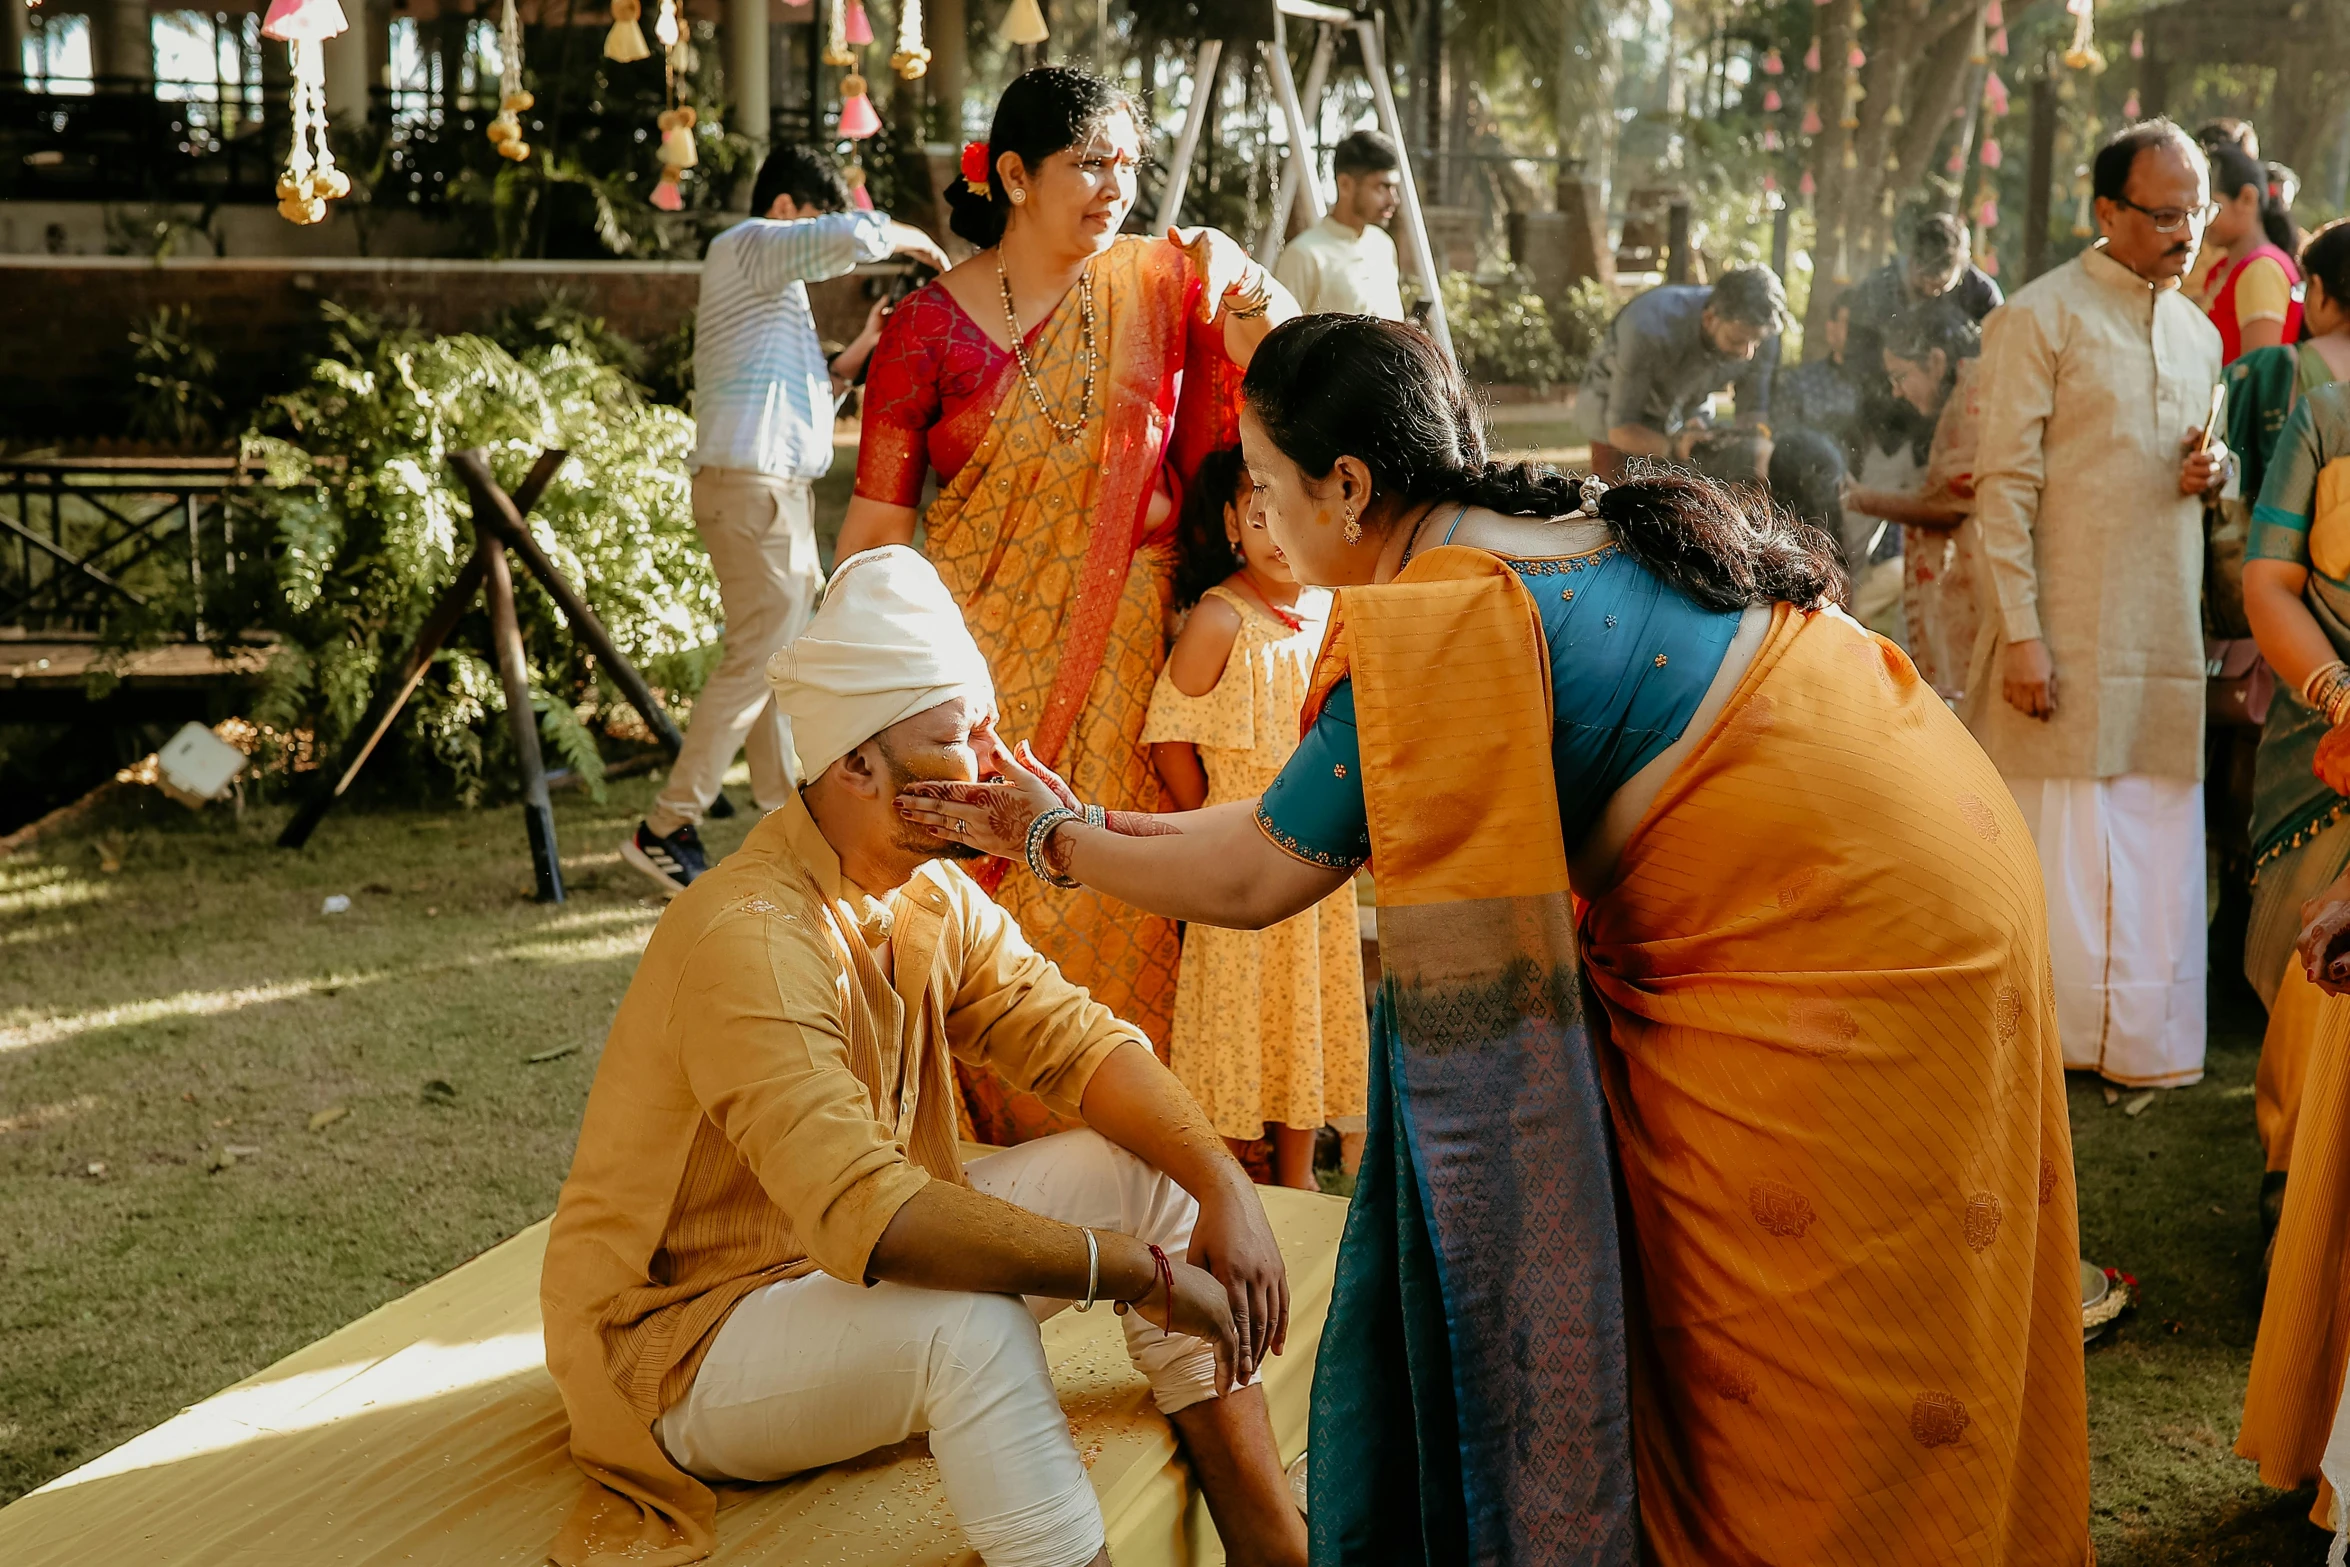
point(1843, 1326)
point(1063, 382)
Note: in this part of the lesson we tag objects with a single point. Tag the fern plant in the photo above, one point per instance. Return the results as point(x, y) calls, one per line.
point(364, 525)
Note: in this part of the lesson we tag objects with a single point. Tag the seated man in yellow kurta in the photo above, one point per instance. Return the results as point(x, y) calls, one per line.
point(770, 1256)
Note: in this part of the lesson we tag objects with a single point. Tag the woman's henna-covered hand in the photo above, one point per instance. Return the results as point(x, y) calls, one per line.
point(993, 818)
point(2325, 924)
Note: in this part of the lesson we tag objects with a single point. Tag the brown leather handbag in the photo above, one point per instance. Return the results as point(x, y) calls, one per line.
point(2238, 684)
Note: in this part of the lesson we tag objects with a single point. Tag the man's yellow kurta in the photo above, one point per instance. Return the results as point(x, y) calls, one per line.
point(768, 1099)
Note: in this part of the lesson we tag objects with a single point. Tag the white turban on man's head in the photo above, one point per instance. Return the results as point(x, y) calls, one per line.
point(888, 642)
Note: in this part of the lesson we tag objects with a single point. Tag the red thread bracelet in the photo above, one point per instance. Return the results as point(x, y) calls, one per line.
point(1164, 1271)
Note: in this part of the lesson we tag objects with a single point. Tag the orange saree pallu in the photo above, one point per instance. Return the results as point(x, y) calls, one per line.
point(1042, 542)
point(1840, 1114)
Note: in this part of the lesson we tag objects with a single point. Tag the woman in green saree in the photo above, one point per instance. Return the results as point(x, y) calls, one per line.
point(2285, 422)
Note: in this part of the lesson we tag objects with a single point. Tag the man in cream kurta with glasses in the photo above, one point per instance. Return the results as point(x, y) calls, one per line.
point(2087, 683)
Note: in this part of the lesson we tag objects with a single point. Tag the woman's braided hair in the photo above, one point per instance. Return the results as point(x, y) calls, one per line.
point(1331, 386)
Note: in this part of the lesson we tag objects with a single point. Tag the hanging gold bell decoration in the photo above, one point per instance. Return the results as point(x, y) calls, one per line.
point(626, 41)
point(506, 130)
point(310, 179)
point(1023, 24)
point(909, 59)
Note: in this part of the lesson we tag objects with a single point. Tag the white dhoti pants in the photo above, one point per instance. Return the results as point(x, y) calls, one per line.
point(2123, 861)
point(813, 1370)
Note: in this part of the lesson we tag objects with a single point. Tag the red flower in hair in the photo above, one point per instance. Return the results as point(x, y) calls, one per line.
point(975, 167)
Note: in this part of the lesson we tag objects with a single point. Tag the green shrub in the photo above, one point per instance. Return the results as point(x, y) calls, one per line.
point(363, 525)
point(1501, 332)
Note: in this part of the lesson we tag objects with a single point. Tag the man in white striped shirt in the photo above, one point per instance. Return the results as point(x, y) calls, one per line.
point(763, 403)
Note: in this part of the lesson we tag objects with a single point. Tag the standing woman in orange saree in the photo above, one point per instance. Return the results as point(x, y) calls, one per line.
point(1063, 382)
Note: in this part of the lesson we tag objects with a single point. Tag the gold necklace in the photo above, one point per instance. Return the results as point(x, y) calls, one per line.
point(1066, 432)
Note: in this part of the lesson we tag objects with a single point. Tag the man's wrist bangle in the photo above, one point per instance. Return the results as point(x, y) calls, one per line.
point(1039, 832)
point(1093, 1271)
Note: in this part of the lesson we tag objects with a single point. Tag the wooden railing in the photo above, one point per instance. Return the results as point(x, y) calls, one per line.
point(85, 539)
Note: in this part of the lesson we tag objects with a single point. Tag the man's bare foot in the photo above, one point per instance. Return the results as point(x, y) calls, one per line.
point(1230, 1444)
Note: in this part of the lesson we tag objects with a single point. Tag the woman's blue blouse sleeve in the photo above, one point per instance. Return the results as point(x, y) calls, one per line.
point(1314, 810)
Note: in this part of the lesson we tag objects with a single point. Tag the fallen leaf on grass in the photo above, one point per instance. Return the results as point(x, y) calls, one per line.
point(226, 1120)
point(440, 1091)
point(221, 1159)
point(2138, 1102)
point(2113, 1096)
point(97, 1169)
point(2219, 1211)
point(327, 1117)
point(556, 1054)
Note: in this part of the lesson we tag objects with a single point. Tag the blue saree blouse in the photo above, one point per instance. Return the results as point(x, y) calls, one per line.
point(1631, 658)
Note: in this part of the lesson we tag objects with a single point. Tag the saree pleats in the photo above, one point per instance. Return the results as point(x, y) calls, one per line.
point(1039, 539)
point(1479, 1303)
point(1840, 1112)
point(2299, 1357)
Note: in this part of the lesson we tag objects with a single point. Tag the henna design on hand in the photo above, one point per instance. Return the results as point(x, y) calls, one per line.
point(1057, 850)
point(1141, 824)
point(1008, 815)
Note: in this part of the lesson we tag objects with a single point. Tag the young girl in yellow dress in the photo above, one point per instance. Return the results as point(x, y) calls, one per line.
point(1269, 1025)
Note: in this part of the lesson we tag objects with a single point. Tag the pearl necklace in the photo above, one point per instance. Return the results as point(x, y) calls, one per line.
point(1066, 432)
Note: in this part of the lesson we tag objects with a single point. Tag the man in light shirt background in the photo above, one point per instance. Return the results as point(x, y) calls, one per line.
point(1345, 264)
point(764, 398)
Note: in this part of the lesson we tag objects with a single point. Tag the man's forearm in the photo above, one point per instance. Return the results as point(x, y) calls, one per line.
point(1639, 440)
point(1138, 1104)
point(949, 1237)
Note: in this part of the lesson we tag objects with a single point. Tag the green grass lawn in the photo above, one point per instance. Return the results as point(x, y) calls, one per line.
point(195, 1000)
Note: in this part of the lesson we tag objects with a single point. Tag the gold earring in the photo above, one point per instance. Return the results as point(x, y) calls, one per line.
point(1353, 529)
point(1018, 196)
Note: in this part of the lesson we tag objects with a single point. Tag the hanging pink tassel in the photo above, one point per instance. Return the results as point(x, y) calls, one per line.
point(1771, 103)
point(1994, 95)
point(1811, 119)
point(1809, 186)
point(1956, 162)
point(857, 119)
point(1989, 262)
point(1988, 213)
point(2130, 106)
point(1770, 185)
point(309, 20)
point(1992, 156)
point(1774, 66)
point(2138, 44)
point(1856, 59)
point(1770, 141)
point(860, 29)
point(1998, 45)
point(666, 195)
point(1994, 17)
point(1811, 57)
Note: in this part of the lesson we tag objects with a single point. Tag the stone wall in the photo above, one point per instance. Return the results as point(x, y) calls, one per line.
point(65, 321)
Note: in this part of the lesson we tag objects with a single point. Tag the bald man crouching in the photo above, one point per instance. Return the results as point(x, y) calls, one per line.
point(770, 1256)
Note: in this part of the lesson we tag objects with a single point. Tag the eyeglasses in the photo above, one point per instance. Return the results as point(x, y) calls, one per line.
point(2169, 220)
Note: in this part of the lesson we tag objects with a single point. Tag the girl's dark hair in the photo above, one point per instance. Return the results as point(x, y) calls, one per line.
point(1204, 554)
point(2327, 259)
point(1807, 478)
point(1332, 386)
point(2232, 168)
point(1047, 110)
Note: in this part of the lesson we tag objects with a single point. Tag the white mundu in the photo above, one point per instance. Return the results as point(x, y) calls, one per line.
point(1333, 268)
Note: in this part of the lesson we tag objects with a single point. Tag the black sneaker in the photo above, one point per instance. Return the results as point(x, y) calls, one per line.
point(673, 861)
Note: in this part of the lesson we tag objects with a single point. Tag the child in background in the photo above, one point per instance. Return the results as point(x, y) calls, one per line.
point(1931, 357)
point(1269, 1025)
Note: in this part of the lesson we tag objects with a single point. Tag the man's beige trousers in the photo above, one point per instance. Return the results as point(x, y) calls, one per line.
point(761, 535)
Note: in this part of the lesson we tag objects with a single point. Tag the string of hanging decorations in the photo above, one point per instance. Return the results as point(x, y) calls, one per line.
point(310, 179)
point(505, 131)
point(677, 120)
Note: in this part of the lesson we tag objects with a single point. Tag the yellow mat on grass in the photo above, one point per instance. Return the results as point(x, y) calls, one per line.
point(428, 1431)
